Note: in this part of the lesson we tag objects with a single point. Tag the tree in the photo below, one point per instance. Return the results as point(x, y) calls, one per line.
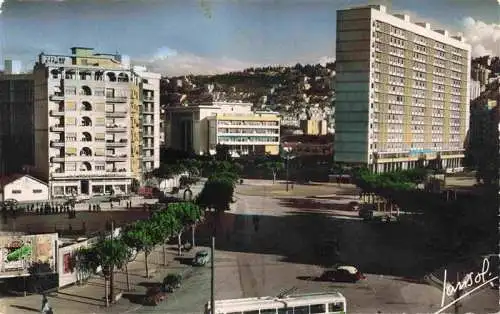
point(217, 194)
point(144, 236)
point(222, 153)
point(109, 254)
point(169, 224)
point(188, 214)
point(272, 166)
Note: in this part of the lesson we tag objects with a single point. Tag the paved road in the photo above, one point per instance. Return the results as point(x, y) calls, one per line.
point(280, 255)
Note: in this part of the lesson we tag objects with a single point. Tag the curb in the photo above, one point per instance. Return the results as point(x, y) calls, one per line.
point(434, 281)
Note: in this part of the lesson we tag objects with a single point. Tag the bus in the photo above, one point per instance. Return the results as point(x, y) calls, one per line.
point(312, 303)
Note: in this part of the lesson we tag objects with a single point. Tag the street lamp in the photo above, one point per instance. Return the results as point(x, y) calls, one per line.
point(288, 157)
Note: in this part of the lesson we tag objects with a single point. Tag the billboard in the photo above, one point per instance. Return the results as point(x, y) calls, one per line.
point(18, 253)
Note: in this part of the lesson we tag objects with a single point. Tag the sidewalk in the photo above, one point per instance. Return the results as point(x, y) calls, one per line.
point(89, 298)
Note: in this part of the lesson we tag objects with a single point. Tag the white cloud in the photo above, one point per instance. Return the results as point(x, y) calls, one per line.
point(1, 4)
point(170, 62)
point(484, 38)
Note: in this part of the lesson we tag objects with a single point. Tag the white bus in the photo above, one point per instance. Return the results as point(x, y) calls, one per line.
point(313, 303)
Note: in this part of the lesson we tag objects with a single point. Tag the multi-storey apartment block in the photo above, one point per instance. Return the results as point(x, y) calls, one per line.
point(16, 120)
point(200, 128)
point(402, 91)
point(88, 112)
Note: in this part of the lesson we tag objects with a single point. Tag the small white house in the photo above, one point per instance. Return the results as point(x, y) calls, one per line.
point(23, 188)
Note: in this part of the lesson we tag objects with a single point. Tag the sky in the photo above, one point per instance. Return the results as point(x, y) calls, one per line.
point(176, 37)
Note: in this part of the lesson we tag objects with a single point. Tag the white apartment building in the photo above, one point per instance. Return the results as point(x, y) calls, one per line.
point(83, 130)
point(402, 91)
point(200, 128)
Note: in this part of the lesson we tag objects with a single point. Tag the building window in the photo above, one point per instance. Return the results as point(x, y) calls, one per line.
point(37, 191)
point(16, 191)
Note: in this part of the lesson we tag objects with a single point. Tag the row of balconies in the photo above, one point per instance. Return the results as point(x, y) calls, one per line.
point(110, 143)
point(71, 157)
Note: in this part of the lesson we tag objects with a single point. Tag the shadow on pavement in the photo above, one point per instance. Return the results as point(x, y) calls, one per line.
point(135, 298)
point(184, 260)
point(308, 278)
point(25, 308)
point(77, 296)
point(148, 284)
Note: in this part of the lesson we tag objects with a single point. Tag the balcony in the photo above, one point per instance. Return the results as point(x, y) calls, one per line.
point(116, 157)
point(56, 113)
point(57, 128)
point(57, 143)
point(116, 114)
point(147, 158)
point(150, 134)
point(119, 99)
point(147, 122)
point(57, 159)
point(121, 143)
point(149, 98)
point(148, 111)
point(115, 129)
point(57, 97)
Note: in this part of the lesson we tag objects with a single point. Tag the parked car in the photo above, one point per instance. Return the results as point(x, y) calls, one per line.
point(155, 295)
point(201, 258)
point(172, 282)
point(367, 211)
point(344, 273)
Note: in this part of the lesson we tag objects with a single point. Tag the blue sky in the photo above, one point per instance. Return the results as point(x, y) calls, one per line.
point(181, 36)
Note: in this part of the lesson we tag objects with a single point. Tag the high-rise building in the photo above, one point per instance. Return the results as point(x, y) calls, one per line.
point(402, 91)
point(96, 121)
point(16, 122)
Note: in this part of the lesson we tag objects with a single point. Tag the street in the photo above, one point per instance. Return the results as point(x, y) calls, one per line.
point(280, 256)
point(280, 252)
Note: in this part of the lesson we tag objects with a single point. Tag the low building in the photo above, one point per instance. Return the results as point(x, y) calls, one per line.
point(308, 145)
point(23, 188)
point(201, 128)
point(314, 127)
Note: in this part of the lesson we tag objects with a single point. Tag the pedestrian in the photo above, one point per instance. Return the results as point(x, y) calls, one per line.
point(46, 308)
point(90, 208)
point(111, 205)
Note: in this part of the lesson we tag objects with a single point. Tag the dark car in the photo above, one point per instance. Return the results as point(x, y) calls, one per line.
point(155, 295)
point(342, 274)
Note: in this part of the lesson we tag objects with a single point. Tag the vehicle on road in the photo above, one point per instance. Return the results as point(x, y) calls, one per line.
point(343, 273)
point(172, 282)
point(155, 295)
point(201, 258)
point(332, 303)
point(367, 211)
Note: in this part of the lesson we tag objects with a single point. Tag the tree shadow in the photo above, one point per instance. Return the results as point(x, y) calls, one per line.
point(184, 260)
point(148, 284)
point(25, 308)
point(135, 298)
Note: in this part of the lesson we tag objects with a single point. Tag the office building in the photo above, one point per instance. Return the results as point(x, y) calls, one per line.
point(200, 128)
point(16, 121)
point(402, 91)
point(95, 122)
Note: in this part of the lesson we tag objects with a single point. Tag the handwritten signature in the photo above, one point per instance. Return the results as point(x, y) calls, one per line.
point(479, 279)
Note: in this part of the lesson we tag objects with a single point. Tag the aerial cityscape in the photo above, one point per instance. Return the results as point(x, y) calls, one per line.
point(261, 156)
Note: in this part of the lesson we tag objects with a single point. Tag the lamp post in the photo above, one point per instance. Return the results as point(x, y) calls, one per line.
point(288, 157)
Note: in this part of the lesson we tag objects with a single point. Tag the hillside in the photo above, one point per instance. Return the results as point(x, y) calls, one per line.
point(293, 91)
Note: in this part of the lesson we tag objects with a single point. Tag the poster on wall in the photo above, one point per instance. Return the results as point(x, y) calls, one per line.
point(18, 253)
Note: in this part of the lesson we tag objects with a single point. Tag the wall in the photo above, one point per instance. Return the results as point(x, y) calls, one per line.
point(17, 253)
point(41, 123)
point(26, 185)
point(68, 275)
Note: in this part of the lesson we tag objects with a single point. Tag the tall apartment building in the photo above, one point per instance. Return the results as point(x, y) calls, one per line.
point(402, 91)
point(16, 120)
point(95, 122)
point(200, 128)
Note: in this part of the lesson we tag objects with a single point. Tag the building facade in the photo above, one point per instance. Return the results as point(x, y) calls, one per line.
point(88, 107)
point(16, 122)
point(200, 128)
point(23, 188)
point(402, 91)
